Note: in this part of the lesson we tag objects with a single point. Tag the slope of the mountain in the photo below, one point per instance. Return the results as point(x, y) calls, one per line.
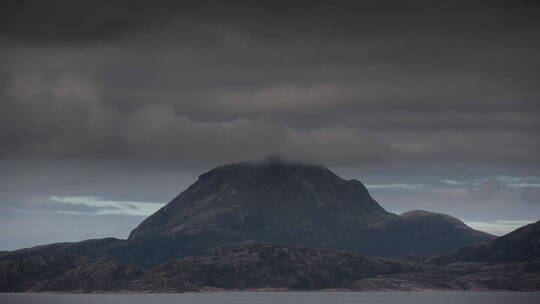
point(522, 244)
point(292, 203)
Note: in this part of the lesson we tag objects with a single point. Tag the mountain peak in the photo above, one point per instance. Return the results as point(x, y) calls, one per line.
point(273, 163)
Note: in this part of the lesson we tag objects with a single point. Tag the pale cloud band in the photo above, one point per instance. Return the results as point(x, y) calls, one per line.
point(498, 227)
point(395, 186)
point(103, 206)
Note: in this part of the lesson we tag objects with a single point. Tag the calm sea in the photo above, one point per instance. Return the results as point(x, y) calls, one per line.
point(278, 297)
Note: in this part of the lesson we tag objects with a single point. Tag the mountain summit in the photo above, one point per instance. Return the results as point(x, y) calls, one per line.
point(294, 203)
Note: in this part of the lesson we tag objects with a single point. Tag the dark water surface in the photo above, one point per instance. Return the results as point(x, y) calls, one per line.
point(317, 297)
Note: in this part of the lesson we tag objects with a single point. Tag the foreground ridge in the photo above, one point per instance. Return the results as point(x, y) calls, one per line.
point(263, 266)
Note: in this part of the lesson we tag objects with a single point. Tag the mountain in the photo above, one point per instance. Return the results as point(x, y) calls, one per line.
point(292, 203)
point(520, 245)
point(273, 201)
point(270, 201)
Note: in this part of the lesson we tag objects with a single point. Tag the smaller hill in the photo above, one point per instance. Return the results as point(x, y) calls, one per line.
point(519, 245)
point(422, 233)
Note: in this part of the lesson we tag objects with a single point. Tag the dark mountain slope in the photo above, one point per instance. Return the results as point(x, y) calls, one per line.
point(522, 244)
point(273, 200)
point(291, 203)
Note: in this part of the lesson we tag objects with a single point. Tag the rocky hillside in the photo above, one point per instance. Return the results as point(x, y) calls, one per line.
point(262, 266)
point(242, 267)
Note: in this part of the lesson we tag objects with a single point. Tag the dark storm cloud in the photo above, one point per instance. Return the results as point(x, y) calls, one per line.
point(345, 83)
point(64, 22)
point(110, 104)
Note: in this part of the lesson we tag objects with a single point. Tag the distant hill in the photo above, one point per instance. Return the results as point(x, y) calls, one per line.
point(520, 245)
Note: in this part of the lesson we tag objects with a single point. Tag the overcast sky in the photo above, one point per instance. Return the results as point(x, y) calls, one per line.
point(111, 108)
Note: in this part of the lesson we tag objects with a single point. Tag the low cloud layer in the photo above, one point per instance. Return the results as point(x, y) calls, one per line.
point(48, 117)
point(342, 85)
